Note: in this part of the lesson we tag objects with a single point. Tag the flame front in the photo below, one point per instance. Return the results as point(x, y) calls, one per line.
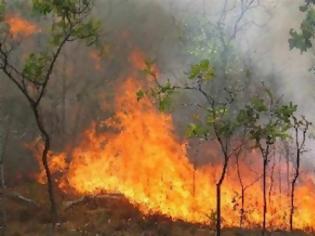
point(139, 156)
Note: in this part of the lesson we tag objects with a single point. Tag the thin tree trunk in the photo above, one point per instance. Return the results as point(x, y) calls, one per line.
point(46, 139)
point(194, 181)
point(242, 211)
point(265, 154)
point(299, 144)
point(218, 218)
point(287, 158)
point(265, 163)
point(3, 152)
point(242, 190)
point(296, 175)
point(280, 179)
point(218, 196)
point(271, 182)
point(64, 94)
point(2, 175)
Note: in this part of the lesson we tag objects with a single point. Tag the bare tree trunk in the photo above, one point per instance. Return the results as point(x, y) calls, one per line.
point(280, 179)
point(287, 158)
point(303, 126)
point(242, 210)
point(46, 139)
point(271, 181)
point(5, 134)
point(265, 154)
point(296, 175)
point(265, 163)
point(194, 181)
point(264, 198)
point(3, 151)
point(218, 196)
point(64, 94)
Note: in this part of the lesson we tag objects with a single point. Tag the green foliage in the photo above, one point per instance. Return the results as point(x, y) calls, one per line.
point(4, 28)
point(88, 31)
point(163, 93)
point(34, 67)
point(216, 114)
point(218, 121)
point(69, 20)
point(2, 10)
point(259, 104)
point(61, 8)
point(302, 39)
point(140, 94)
point(69, 15)
point(202, 70)
point(285, 112)
point(196, 130)
point(42, 6)
point(266, 122)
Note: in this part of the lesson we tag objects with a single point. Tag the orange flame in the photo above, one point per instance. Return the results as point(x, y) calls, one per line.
point(20, 27)
point(140, 157)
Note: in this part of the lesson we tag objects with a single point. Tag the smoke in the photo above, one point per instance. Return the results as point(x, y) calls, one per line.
point(176, 34)
point(167, 30)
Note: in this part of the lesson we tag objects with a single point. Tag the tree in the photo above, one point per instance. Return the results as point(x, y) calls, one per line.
point(218, 112)
point(218, 122)
point(266, 121)
point(302, 38)
point(4, 136)
point(69, 21)
point(244, 186)
point(301, 127)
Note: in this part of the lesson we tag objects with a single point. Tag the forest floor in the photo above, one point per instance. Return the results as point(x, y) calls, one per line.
point(109, 215)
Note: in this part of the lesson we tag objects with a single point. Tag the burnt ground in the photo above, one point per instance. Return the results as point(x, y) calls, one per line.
point(106, 215)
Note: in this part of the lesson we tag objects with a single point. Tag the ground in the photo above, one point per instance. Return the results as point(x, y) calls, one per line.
point(100, 216)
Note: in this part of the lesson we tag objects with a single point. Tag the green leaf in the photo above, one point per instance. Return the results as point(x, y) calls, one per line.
point(2, 11)
point(259, 104)
point(140, 94)
point(303, 39)
point(42, 6)
point(34, 67)
point(165, 103)
point(201, 70)
point(195, 130)
point(88, 31)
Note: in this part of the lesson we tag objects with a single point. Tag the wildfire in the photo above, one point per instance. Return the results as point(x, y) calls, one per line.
point(20, 27)
point(139, 156)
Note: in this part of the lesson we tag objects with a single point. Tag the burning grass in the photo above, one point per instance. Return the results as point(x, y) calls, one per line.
point(102, 216)
point(137, 154)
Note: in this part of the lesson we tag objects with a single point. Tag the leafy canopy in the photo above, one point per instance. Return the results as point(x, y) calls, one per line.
point(302, 38)
point(266, 122)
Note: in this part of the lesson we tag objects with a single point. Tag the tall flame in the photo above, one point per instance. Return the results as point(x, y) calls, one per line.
point(136, 153)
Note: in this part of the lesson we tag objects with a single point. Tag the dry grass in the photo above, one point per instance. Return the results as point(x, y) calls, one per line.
point(101, 217)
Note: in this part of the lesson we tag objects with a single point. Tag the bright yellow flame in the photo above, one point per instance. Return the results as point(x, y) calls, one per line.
point(140, 157)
